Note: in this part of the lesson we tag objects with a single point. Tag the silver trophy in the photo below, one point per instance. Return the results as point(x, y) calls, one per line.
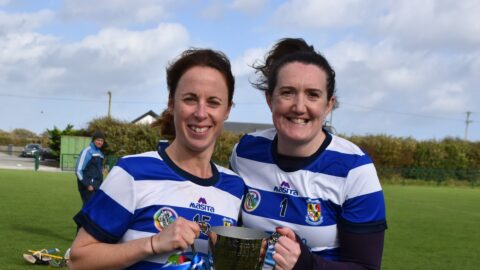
point(236, 248)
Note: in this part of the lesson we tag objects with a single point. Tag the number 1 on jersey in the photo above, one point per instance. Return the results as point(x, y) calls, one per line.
point(283, 207)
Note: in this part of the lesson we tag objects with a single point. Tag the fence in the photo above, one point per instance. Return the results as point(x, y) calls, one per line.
point(70, 160)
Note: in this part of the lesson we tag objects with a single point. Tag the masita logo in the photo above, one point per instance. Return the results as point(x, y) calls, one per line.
point(202, 205)
point(285, 189)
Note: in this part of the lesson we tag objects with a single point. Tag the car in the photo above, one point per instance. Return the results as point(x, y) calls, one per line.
point(47, 153)
point(31, 149)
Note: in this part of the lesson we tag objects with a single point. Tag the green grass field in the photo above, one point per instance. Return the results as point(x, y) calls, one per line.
point(429, 227)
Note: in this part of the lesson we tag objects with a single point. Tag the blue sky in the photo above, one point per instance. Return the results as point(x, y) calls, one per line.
point(406, 69)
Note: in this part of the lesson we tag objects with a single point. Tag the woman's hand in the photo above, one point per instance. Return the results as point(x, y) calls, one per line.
point(287, 250)
point(177, 236)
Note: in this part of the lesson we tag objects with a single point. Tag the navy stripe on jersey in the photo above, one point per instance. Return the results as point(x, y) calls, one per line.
point(337, 164)
point(296, 209)
point(330, 162)
point(365, 208)
point(144, 222)
point(84, 220)
point(159, 170)
point(229, 183)
point(257, 153)
point(116, 226)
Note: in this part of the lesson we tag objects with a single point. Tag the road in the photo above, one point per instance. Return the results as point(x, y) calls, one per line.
point(19, 163)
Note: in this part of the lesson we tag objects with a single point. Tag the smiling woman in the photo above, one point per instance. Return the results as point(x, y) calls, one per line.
point(321, 192)
point(151, 204)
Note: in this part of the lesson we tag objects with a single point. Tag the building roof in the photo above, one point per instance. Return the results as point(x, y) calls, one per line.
point(234, 127)
point(146, 118)
point(241, 127)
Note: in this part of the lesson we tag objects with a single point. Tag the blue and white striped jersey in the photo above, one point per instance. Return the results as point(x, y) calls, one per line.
point(339, 186)
point(144, 191)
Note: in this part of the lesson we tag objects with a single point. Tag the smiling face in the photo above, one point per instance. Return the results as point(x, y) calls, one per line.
point(200, 107)
point(299, 105)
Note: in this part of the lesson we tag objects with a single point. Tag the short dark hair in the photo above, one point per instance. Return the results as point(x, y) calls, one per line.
point(286, 51)
point(200, 57)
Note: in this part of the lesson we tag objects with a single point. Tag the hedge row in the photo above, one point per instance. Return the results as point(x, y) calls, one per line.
point(428, 160)
point(403, 157)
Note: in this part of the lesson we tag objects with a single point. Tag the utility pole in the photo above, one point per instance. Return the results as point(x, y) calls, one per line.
point(467, 122)
point(109, 102)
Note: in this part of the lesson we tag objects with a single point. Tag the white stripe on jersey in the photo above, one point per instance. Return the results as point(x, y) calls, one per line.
point(362, 180)
point(344, 146)
point(265, 176)
point(119, 185)
point(153, 154)
point(327, 241)
point(167, 190)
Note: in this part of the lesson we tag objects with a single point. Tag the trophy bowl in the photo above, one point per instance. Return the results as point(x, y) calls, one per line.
point(236, 248)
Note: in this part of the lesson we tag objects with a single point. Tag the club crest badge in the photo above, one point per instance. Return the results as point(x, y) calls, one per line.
point(227, 222)
point(314, 212)
point(252, 200)
point(163, 217)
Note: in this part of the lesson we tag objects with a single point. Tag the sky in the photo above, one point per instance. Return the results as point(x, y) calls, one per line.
point(404, 68)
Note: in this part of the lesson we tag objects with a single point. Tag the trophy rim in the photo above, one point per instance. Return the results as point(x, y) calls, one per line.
point(239, 232)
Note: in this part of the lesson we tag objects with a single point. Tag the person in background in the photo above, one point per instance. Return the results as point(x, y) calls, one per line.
point(89, 167)
point(155, 206)
point(319, 191)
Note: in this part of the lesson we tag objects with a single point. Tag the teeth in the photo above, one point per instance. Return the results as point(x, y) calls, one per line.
point(298, 121)
point(199, 130)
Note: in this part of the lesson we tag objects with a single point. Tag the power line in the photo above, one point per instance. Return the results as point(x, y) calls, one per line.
point(402, 113)
point(97, 100)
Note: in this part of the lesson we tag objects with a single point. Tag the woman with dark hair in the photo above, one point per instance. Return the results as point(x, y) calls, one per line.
point(319, 191)
point(153, 208)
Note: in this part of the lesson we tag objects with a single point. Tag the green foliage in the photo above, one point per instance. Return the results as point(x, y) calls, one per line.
point(55, 136)
point(21, 133)
point(449, 159)
point(18, 137)
point(224, 147)
point(5, 138)
point(124, 138)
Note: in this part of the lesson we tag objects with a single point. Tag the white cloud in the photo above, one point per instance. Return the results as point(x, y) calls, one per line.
point(4, 2)
point(242, 65)
point(214, 11)
point(323, 14)
point(449, 97)
point(23, 22)
point(432, 24)
point(385, 77)
point(112, 12)
point(249, 6)
point(114, 58)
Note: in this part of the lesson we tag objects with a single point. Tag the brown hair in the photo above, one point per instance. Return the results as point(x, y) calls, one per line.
point(191, 58)
point(286, 51)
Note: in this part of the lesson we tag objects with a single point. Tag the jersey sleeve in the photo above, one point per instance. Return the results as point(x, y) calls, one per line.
point(364, 205)
point(82, 162)
point(233, 159)
point(108, 214)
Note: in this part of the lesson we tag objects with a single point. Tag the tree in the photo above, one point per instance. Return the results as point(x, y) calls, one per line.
point(55, 136)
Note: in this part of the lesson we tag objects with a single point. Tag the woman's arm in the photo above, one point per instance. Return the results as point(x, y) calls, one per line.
point(89, 253)
point(358, 252)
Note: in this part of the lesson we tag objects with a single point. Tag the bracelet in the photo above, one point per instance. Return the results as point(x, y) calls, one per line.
point(151, 244)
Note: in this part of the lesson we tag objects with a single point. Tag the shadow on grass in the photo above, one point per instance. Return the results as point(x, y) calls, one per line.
point(42, 232)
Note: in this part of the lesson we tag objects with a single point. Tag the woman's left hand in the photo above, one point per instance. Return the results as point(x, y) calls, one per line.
point(287, 250)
